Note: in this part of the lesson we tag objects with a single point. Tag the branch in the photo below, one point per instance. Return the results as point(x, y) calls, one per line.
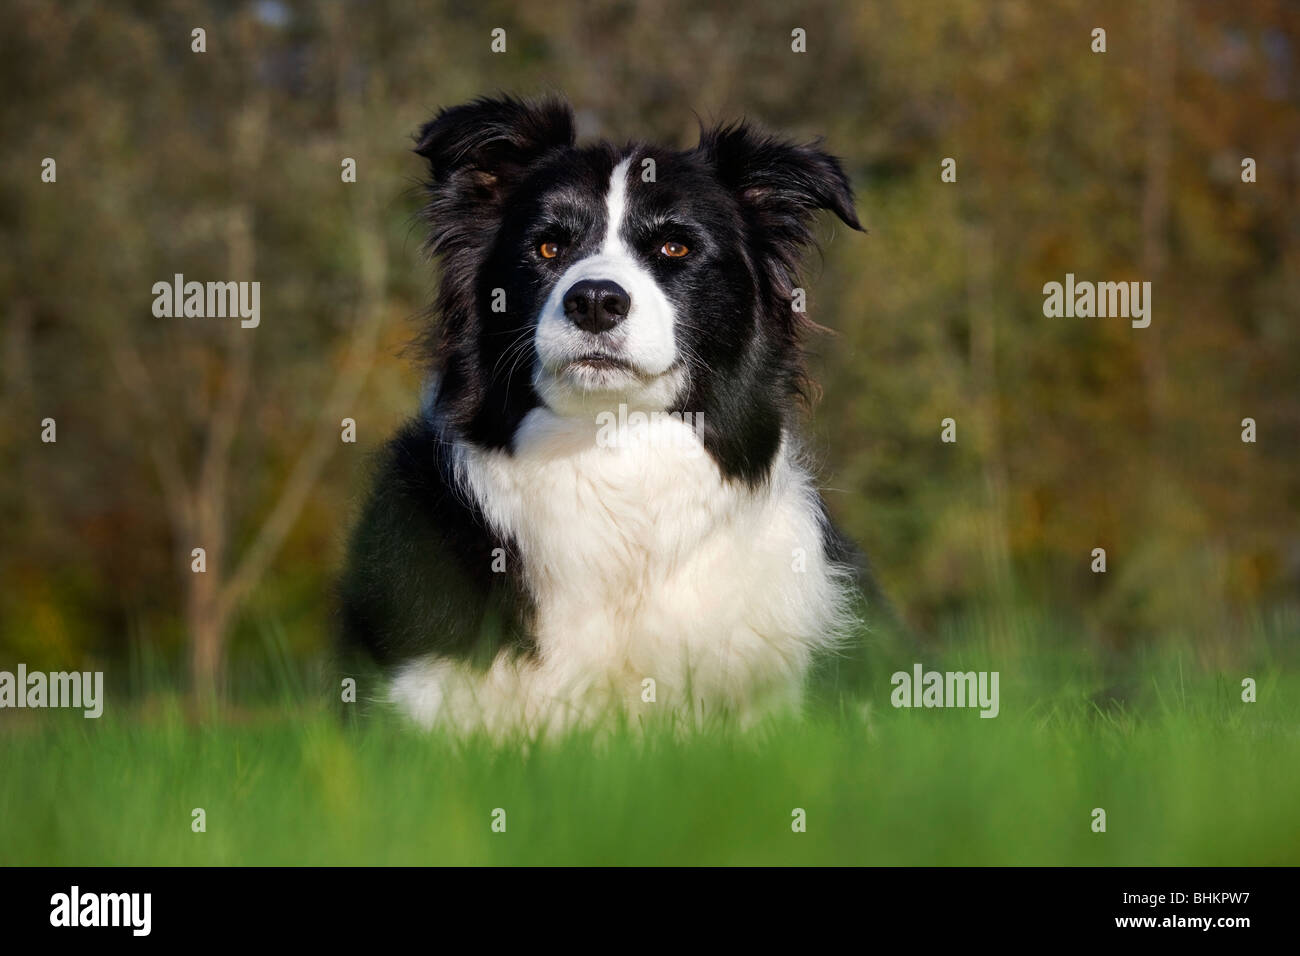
point(177, 496)
point(347, 387)
point(210, 501)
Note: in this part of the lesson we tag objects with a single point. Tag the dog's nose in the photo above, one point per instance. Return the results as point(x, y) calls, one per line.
point(596, 305)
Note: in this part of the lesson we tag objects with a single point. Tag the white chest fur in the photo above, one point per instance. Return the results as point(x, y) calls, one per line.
point(658, 585)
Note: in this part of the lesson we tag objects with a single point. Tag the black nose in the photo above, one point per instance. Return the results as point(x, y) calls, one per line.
point(596, 305)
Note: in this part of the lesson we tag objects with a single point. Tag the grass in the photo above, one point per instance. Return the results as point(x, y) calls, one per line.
point(1187, 773)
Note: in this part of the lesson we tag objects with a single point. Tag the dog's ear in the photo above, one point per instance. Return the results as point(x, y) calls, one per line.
point(482, 146)
point(777, 182)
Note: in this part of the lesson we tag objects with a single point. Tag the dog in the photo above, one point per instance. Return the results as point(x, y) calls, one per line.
point(602, 505)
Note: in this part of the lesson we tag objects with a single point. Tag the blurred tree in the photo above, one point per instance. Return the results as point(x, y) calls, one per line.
point(1073, 434)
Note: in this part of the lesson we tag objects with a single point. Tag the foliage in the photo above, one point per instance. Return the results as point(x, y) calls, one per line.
point(1073, 433)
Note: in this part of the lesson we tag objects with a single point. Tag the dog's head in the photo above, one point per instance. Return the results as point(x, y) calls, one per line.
point(581, 278)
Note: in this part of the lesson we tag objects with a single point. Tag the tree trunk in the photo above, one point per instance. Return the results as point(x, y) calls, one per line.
point(206, 623)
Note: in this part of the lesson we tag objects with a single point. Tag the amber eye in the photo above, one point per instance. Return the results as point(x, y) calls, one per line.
point(673, 250)
point(549, 250)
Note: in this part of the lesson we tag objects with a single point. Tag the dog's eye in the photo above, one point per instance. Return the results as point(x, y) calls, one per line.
point(549, 249)
point(673, 250)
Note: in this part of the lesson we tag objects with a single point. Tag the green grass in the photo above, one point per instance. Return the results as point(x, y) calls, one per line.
point(1186, 772)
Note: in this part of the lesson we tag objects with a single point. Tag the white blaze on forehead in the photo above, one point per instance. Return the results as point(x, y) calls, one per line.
point(616, 209)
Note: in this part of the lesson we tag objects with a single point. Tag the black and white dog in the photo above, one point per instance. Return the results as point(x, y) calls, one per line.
point(602, 502)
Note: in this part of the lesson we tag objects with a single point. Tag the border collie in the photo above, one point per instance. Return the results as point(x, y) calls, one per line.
point(602, 503)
